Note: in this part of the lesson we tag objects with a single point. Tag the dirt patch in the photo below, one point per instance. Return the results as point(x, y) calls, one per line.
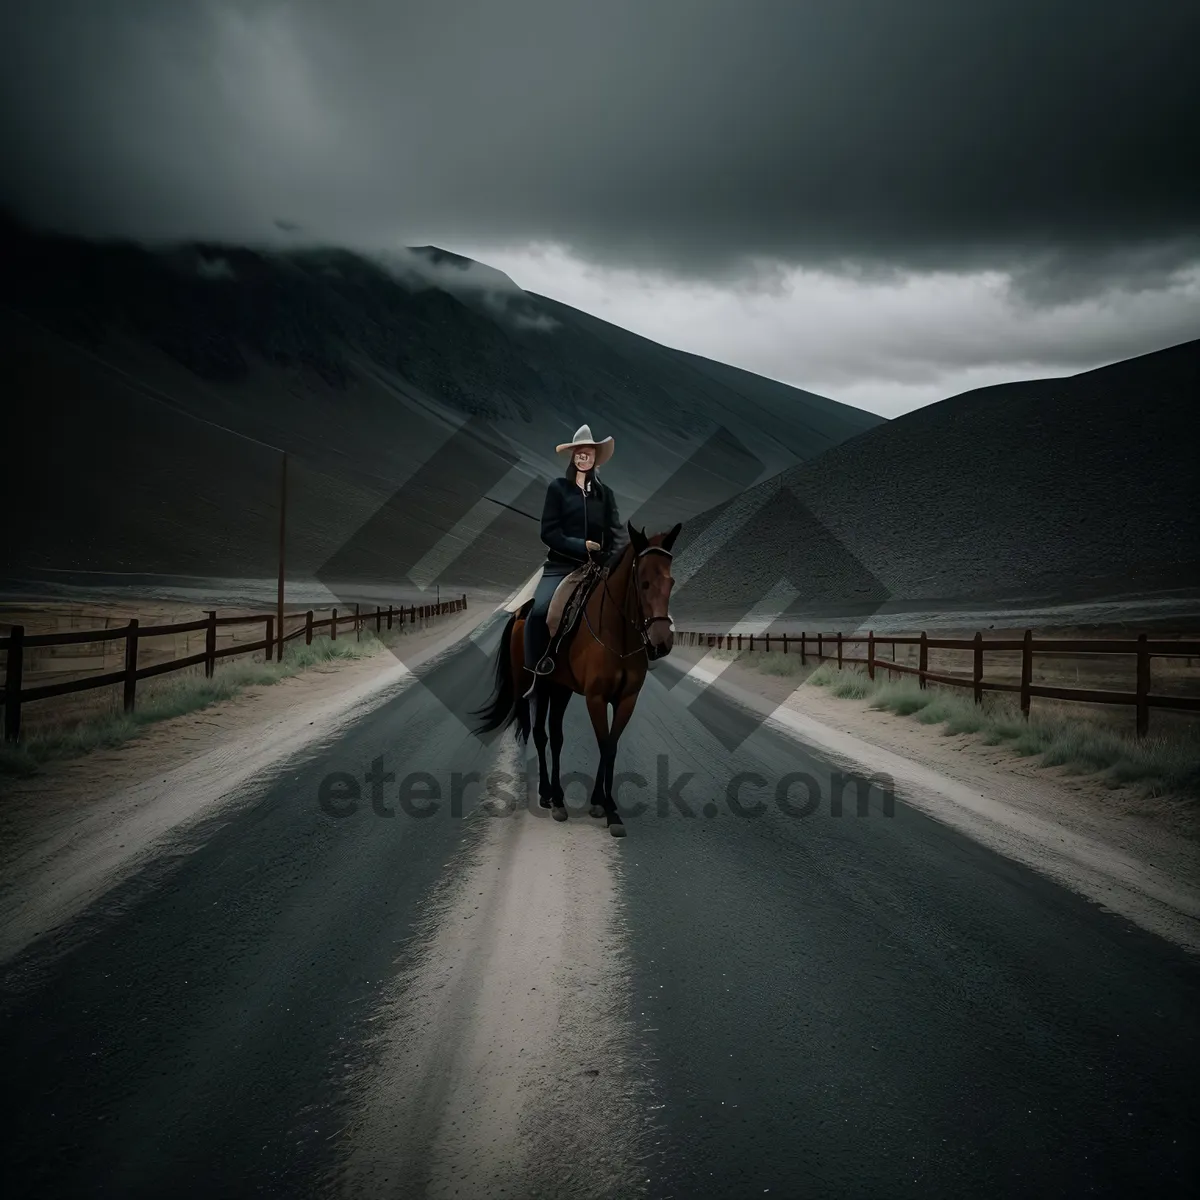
point(501, 1065)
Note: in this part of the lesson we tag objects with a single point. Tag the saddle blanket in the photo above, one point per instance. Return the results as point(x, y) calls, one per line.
point(526, 592)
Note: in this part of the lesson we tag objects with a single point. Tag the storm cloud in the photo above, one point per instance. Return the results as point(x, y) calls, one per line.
point(701, 139)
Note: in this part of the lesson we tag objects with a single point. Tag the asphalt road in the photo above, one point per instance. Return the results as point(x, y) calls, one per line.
point(858, 1005)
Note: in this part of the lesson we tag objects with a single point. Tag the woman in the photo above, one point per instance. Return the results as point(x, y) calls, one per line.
point(579, 521)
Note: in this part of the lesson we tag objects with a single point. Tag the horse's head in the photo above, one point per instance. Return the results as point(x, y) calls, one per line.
point(653, 582)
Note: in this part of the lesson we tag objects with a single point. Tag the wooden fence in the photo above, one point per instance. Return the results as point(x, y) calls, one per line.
point(831, 647)
point(16, 643)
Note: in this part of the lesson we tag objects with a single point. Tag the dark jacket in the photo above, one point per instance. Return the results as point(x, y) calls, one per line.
point(568, 522)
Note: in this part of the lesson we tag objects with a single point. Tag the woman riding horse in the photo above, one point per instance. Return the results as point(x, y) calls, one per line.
point(580, 521)
point(625, 624)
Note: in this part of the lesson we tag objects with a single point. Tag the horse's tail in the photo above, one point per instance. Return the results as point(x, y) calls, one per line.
point(504, 706)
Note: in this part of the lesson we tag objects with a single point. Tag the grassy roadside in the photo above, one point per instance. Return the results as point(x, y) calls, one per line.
point(175, 697)
point(1157, 765)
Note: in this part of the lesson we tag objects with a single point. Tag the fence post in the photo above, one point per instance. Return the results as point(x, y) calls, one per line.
point(464, 599)
point(923, 661)
point(268, 654)
point(13, 672)
point(820, 647)
point(1143, 686)
point(752, 643)
point(131, 655)
point(803, 641)
point(210, 645)
point(1026, 671)
point(389, 624)
point(308, 620)
point(839, 644)
point(785, 643)
point(333, 627)
point(978, 668)
point(357, 626)
point(870, 654)
point(767, 643)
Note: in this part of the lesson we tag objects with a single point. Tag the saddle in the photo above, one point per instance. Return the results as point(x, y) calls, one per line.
point(567, 603)
point(566, 606)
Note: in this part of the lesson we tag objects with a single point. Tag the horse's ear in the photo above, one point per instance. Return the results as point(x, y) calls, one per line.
point(637, 539)
point(669, 540)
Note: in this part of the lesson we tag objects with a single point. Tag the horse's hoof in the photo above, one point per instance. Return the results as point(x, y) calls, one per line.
point(617, 829)
point(544, 801)
point(597, 810)
point(560, 813)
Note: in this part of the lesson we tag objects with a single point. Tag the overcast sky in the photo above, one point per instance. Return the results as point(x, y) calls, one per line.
point(887, 202)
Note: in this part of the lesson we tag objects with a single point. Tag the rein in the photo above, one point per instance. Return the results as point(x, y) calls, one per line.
point(641, 626)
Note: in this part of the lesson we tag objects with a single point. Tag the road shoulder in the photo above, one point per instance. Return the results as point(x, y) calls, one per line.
point(79, 827)
point(1131, 856)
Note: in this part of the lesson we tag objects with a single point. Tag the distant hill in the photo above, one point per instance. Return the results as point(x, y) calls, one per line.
point(1055, 489)
point(422, 371)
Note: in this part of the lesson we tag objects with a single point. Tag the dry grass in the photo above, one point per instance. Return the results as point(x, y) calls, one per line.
point(1083, 738)
point(173, 696)
point(1161, 764)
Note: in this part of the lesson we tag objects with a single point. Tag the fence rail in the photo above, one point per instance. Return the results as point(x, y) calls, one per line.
point(831, 647)
point(17, 642)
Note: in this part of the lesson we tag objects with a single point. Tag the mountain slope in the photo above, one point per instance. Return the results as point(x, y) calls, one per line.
point(404, 390)
point(1056, 488)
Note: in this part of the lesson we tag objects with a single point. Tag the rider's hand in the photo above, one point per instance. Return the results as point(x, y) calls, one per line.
point(592, 545)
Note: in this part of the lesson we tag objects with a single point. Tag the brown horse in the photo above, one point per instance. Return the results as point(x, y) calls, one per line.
point(624, 625)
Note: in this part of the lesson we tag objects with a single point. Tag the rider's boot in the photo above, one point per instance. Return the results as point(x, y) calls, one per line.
point(543, 665)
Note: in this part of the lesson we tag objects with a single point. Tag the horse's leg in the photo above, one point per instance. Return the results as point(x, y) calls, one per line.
point(597, 707)
point(560, 697)
point(622, 711)
point(541, 702)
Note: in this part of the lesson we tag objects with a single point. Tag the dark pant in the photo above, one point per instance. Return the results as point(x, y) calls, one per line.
point(537, 637)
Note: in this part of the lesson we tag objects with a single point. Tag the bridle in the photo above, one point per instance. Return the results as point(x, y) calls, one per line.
point(641, 626)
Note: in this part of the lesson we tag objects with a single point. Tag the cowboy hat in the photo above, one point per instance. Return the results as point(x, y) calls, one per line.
point(583, 437)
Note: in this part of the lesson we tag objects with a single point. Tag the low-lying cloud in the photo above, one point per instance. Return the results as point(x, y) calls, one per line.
point(848, 196)
point(1052, 142)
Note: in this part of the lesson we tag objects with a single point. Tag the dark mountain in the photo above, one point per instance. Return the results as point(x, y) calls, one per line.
point(1054, 489)
point(148, 390)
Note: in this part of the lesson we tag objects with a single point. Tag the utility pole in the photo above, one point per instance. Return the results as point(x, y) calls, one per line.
point(282, 531)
